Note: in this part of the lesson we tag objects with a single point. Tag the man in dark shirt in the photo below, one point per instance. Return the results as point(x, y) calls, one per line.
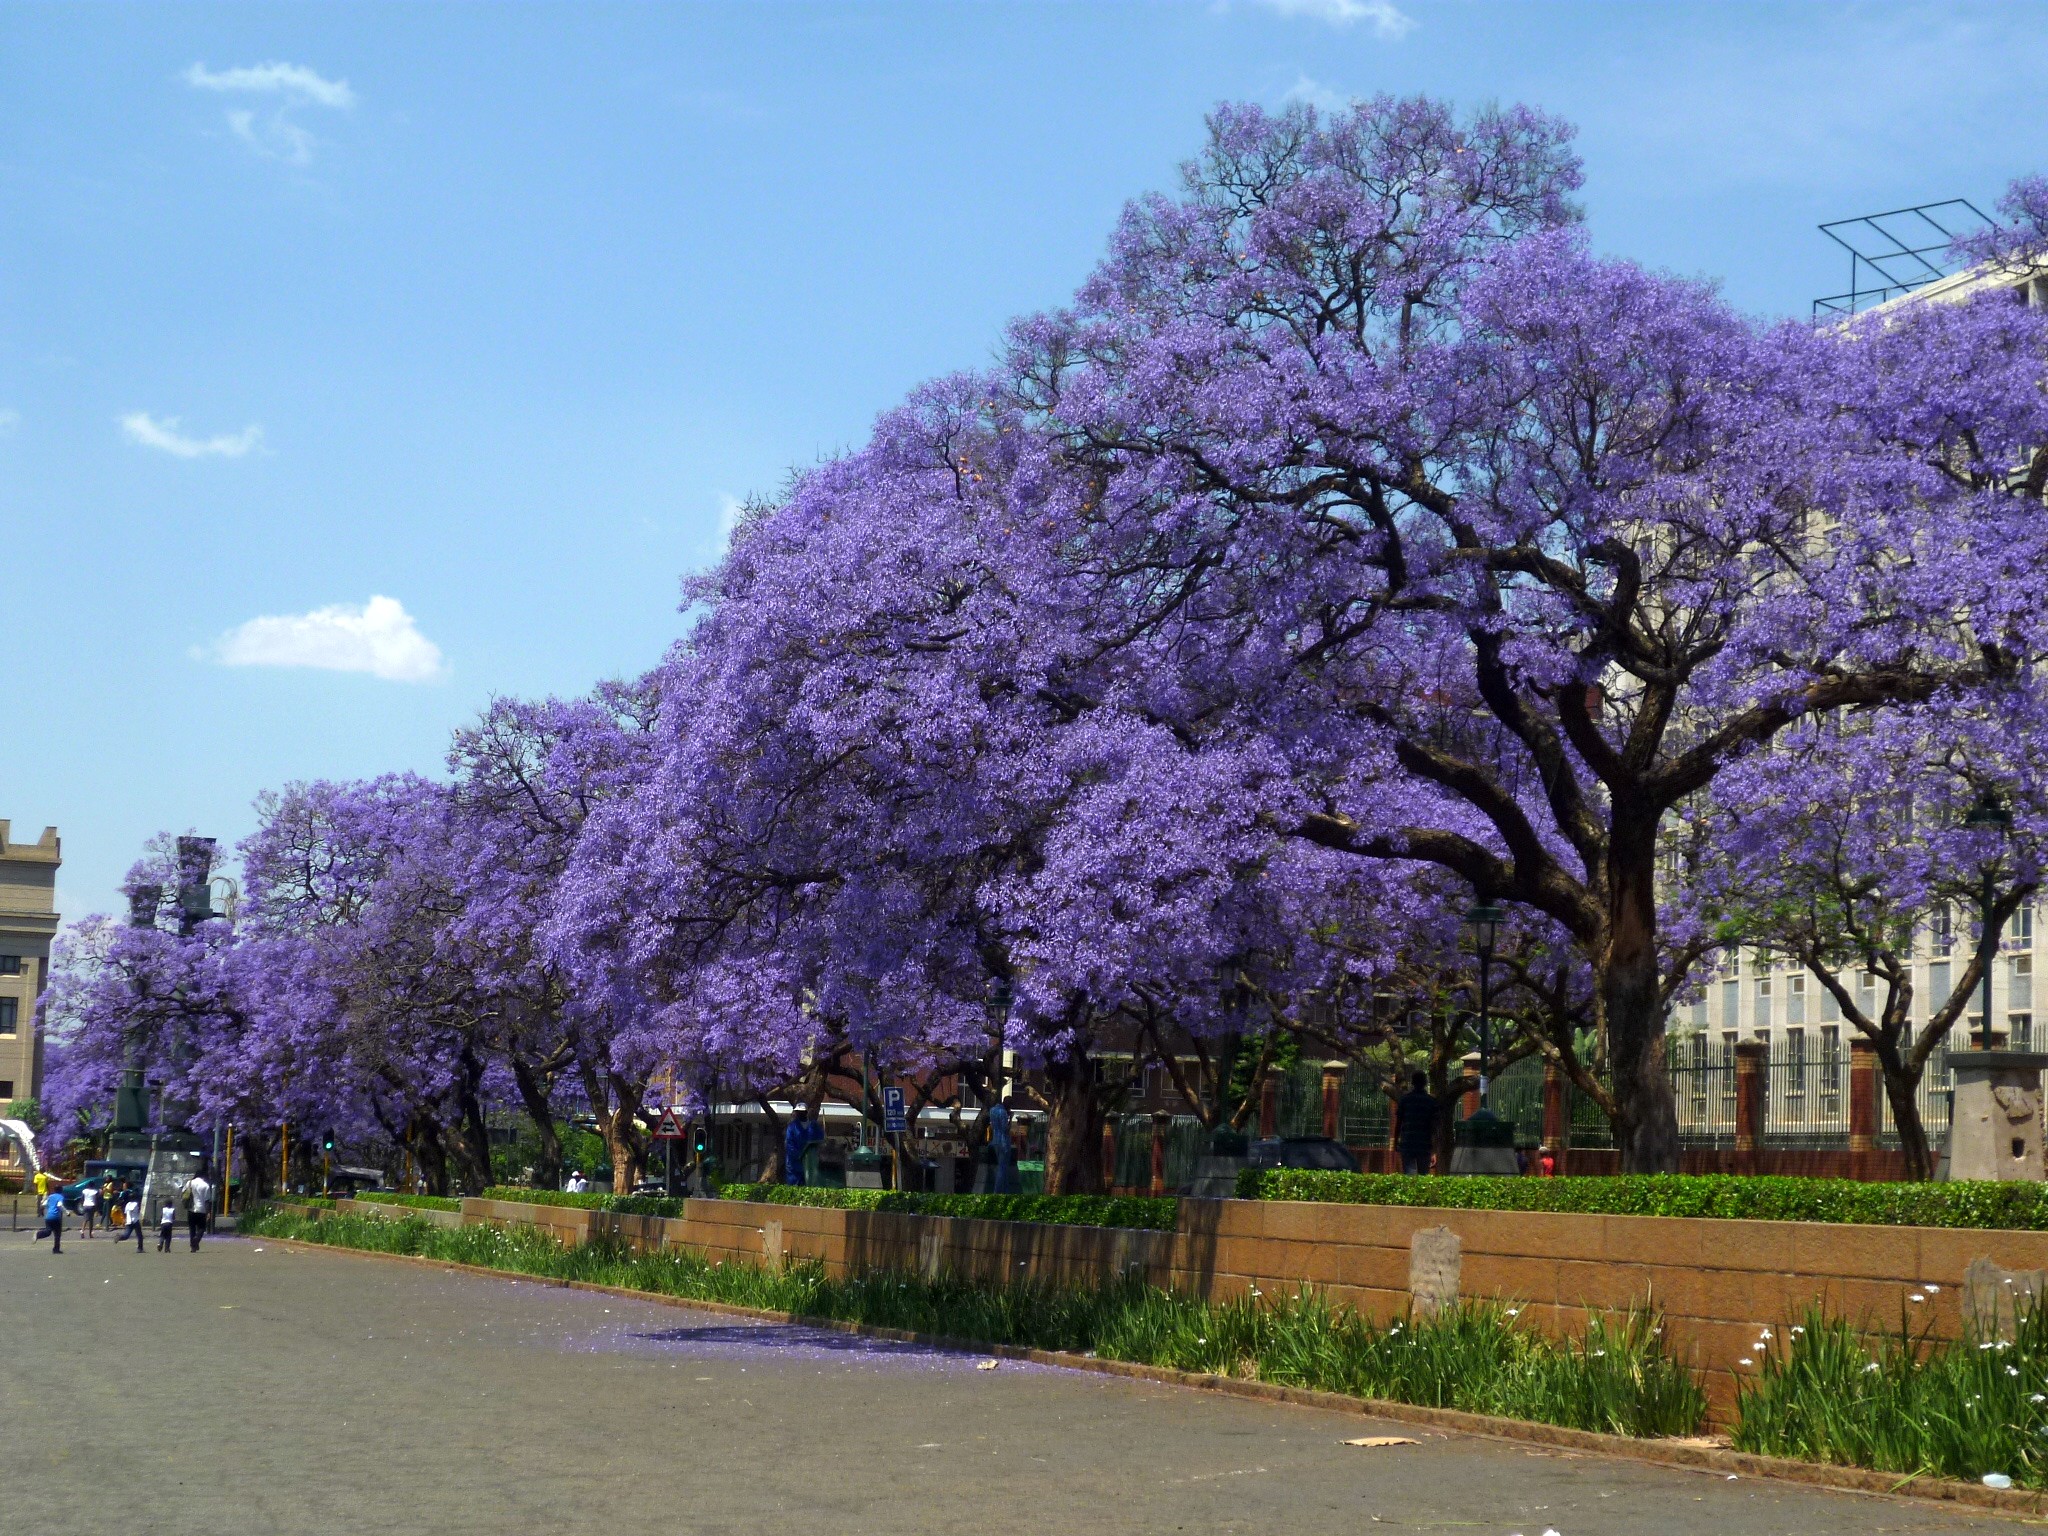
point(1415, 1126)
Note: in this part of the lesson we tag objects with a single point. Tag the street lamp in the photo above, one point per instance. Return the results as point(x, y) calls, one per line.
point(1988, 814)
point(1484, 920)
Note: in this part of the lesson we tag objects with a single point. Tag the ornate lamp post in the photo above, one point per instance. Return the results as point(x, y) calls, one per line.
point(1484, 920)
point(1991, 815)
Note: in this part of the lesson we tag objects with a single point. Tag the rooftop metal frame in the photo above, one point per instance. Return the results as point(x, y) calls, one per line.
point(1897, 251)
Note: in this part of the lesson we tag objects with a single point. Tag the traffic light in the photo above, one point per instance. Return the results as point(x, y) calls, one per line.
point(328, 1144)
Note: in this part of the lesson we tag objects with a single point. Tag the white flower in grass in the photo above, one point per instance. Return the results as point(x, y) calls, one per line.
point(2012, 1370)
point(1745, 1360)
point(1988, 1344)
point(1797, 1331)
point(1916, 1300)
point(1765, 1334)
point(1873, 1366)
point(1514, 1311)
point(1599, 1354)
point(1930, 1289)
point(2038, 1398)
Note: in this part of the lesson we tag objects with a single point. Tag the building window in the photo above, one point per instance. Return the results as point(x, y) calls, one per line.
point(10, 1017)
point(1731, 1004)
point(10, 965)
point(1937, 987)
point(2019, 983)
point(1830, 1005)
point(2019, 1031)
point(1795, 1064)
point(1795, 999)
point(2019, 928)
point(1830, 1071)
point(1728, 1038)
point(1762, 1021)
point(1941, 929)
point(6, 1096)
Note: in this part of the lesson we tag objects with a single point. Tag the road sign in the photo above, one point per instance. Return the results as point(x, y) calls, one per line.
point(669, 1127)
point(893, 1118)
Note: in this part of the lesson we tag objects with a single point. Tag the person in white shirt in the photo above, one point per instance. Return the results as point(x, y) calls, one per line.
point(577, 1185)
point(88, 1206)
point(133, 1211)
point(165, 1224)
point(199, 1194)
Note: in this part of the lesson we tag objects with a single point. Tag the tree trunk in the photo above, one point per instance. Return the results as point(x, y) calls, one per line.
point(1073, 1132)
point(547, 1166)
point(1631, 1003)
point(1902, 1091)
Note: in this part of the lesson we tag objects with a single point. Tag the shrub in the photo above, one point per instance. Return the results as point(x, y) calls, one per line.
point(2013, 1206)
point(415, 1202)
point(1619, 1378)
point(590, 1200)
point(1053, 1210)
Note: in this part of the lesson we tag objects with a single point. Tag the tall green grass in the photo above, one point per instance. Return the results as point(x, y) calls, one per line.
point(1828, 1391)
point(1479, 1358)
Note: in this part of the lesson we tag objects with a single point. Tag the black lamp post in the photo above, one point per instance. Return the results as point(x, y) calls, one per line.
point(1990, 814)
point(1484, 921)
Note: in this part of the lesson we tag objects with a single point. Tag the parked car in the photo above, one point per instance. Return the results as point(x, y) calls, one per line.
point(1302, 1152)
point(346, 1182)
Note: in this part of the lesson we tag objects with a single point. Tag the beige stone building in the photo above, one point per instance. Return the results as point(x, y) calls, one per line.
point(28, 921)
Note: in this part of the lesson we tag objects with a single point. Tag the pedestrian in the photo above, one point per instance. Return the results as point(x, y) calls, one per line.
point(1415, 1125)
point(133, 1211)
point(576, 1184)
point(200, 1213)
point(53, 1220)
point(88, 1207)
point(803, 1131)
point(165, 1226)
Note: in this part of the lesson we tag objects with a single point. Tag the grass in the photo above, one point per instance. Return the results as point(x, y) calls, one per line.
point(416, 1202)
point(1619, 1379)
point(1829, 1391)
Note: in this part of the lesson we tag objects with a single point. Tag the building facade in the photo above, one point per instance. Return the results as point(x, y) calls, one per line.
point(28, 922)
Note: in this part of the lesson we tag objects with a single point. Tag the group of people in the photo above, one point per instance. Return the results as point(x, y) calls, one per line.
point(117, 1204)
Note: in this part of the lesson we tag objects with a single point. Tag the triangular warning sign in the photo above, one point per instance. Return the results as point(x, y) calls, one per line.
point(668, 1127)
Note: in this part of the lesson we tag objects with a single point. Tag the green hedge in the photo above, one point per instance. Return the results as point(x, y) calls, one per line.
point(2012, 1207)
point(593, 1200)
point(415, 1202)
point(1053, 1210)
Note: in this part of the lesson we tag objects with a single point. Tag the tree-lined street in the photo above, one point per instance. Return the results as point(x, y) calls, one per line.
point(253, 1388)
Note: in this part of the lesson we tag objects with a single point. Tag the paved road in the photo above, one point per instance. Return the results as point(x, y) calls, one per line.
point(246, 1389)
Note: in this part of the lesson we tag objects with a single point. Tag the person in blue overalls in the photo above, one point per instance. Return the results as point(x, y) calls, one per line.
point(804, 1132)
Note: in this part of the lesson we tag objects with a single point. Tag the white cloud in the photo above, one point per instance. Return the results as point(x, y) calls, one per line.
point(273, 133)
point(1385, 18)
point(379, 638)
point(293, 81)
point(145, 429)
point(1317, 94)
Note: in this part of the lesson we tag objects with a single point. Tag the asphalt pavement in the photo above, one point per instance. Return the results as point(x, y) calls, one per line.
point(250, 1389)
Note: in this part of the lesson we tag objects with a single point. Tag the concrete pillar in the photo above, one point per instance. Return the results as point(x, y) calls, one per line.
point(1333, 1098)
point(1556, 1118)
point(1864, 1086)
point(1470, 1105)
point(1109, 1151)
point(1269, 1105)
point(1750, 1081)
point(1160, 1121)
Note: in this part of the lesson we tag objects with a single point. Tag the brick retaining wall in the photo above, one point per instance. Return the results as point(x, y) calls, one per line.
point(1717, 1282)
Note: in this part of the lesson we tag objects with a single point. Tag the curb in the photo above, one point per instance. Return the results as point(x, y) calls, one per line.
point(1668, 1453)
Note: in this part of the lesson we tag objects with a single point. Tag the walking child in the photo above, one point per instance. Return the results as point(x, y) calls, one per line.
point(88, 1207)
point(53, 1220)
point(133, 1211)
point(166, 1223)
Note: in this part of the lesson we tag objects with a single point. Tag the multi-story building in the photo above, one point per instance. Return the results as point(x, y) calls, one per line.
point(28, 921)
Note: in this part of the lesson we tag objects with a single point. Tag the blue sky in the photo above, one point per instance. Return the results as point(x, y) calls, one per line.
point(492, 312)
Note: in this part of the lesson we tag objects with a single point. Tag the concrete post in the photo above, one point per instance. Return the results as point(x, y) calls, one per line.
point(1750, 1081)
point(1333, 1098)
point(1470, 1062)
point(1109, 1151)
point(1269, 1105)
